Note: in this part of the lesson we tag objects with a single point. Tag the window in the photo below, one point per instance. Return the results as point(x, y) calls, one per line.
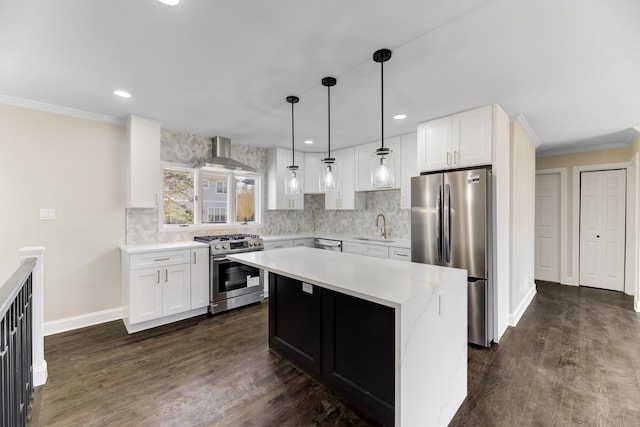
point(179, 196)
point(215, 215)
point(221, 187)
point(199, 197)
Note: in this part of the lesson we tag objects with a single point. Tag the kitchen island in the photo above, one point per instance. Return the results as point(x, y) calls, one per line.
point(389, 336)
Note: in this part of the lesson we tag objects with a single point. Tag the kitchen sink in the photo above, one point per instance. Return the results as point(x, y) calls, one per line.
point(373, 239)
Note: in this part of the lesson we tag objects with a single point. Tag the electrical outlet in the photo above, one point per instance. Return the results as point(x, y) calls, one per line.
point(47, 214)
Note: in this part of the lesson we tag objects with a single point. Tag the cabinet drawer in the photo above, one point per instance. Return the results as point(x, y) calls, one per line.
point(377, 251)
point(157, 259)
point(278, 244)
point(354, 248)
point(303, 242)
point(401, 254)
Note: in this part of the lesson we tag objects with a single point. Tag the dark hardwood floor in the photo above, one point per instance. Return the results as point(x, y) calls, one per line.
point(574, 359)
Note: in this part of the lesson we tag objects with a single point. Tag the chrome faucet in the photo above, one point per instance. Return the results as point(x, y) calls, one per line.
point(383, 232)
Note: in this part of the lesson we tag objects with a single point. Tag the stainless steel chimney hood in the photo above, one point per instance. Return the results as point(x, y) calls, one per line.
point(221, 152)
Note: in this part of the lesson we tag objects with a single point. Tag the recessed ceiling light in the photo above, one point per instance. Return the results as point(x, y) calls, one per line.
point(308, 141)
point(122, 93)
point(169, 2)
point(400, 116)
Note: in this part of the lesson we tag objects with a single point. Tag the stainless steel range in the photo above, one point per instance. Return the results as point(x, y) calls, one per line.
point(232, 284)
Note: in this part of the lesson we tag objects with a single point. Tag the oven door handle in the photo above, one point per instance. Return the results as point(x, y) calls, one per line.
point(224, 260)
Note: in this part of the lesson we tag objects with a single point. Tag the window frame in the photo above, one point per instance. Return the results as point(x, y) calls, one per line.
point(231, 208)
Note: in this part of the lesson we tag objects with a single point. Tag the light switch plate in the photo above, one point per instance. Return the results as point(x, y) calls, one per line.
point(47, 214)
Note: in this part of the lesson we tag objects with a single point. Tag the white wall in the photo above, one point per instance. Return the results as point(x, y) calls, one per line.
point(75, 166)
point(522, 223)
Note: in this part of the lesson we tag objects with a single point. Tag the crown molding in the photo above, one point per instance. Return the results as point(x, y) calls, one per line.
point(520, 120)
point(56, 109)
point(583, 149)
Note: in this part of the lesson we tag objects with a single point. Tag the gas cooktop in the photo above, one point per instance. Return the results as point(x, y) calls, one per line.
point(230, 243)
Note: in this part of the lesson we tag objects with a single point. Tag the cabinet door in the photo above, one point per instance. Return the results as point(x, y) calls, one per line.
point(471, 137)
point(313, 168)
point(434, 145)
point(278, 244)
point(358, 356)
point(144, 162)
point(295, 321)
point(303, 242)
point(145, 299)
point(176, 289)
point(277, 161)
point(400, 254)
point(199, 278)
point(354, 248)
point(408, 168)
point(348, 198)
point(377, 251)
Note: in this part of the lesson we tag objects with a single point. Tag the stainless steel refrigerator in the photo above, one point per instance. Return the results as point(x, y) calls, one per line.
point(450, 226)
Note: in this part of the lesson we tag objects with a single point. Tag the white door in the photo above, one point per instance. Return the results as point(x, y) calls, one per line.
point(602, 229)
point(547, 233)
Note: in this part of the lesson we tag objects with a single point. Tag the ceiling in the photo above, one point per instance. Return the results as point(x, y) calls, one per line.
point(571, 68)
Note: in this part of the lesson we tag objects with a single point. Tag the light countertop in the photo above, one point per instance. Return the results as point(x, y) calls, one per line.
point(153, 247)
point(396, 243)
point(387, 282)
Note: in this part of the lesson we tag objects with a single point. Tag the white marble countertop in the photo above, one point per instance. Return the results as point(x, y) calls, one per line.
point(387, 282)
point(155, 247)
point(396, 243)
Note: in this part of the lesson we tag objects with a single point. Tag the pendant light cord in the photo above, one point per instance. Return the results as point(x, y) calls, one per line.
point(293, 152)
point(382, 100)
point(329, 119)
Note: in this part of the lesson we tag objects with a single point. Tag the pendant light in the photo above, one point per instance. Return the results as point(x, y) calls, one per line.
point(382, 160)
point(328, 179)
point(292, 182)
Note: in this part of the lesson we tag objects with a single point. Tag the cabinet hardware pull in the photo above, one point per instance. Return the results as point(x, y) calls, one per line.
point(166, 275)
point(399, 254)
point(448, 158)
point(455, 157)
point(156, 196)
point(163, 259)
point(194, 257)
point(158, 281)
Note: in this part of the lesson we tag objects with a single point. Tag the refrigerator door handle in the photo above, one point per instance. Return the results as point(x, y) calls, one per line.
point(439, 222)
point(447, 223)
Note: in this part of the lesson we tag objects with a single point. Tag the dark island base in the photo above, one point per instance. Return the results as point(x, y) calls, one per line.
point(343, 342)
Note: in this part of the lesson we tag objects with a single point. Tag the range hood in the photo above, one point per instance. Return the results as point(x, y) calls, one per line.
point(221, 152)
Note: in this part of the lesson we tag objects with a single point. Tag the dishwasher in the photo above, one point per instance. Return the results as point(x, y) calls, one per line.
point(328, 244)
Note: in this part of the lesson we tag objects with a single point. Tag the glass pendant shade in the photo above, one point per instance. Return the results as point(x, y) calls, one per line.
point(328, 181)
point(383, 169)
point(292, 184)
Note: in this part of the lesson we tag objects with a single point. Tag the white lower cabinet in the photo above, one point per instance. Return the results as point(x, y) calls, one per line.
point(163, 286)
point(306, 242)
point(365, 249)
point(401, 254)
point(199, 278)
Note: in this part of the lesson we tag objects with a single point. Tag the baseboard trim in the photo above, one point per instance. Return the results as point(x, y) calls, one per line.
point(522, 307)
point(82, 321)
point(40, 374)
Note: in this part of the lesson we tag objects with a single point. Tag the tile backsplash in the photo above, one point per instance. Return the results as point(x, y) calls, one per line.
point(142, 225)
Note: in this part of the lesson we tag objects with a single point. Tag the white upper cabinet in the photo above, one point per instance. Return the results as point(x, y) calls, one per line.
point(143, 162)
point(345, 196)
point(408, 167)
point(277, 161)
point(456, 141)
point(313, 167)
point(363, 154)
